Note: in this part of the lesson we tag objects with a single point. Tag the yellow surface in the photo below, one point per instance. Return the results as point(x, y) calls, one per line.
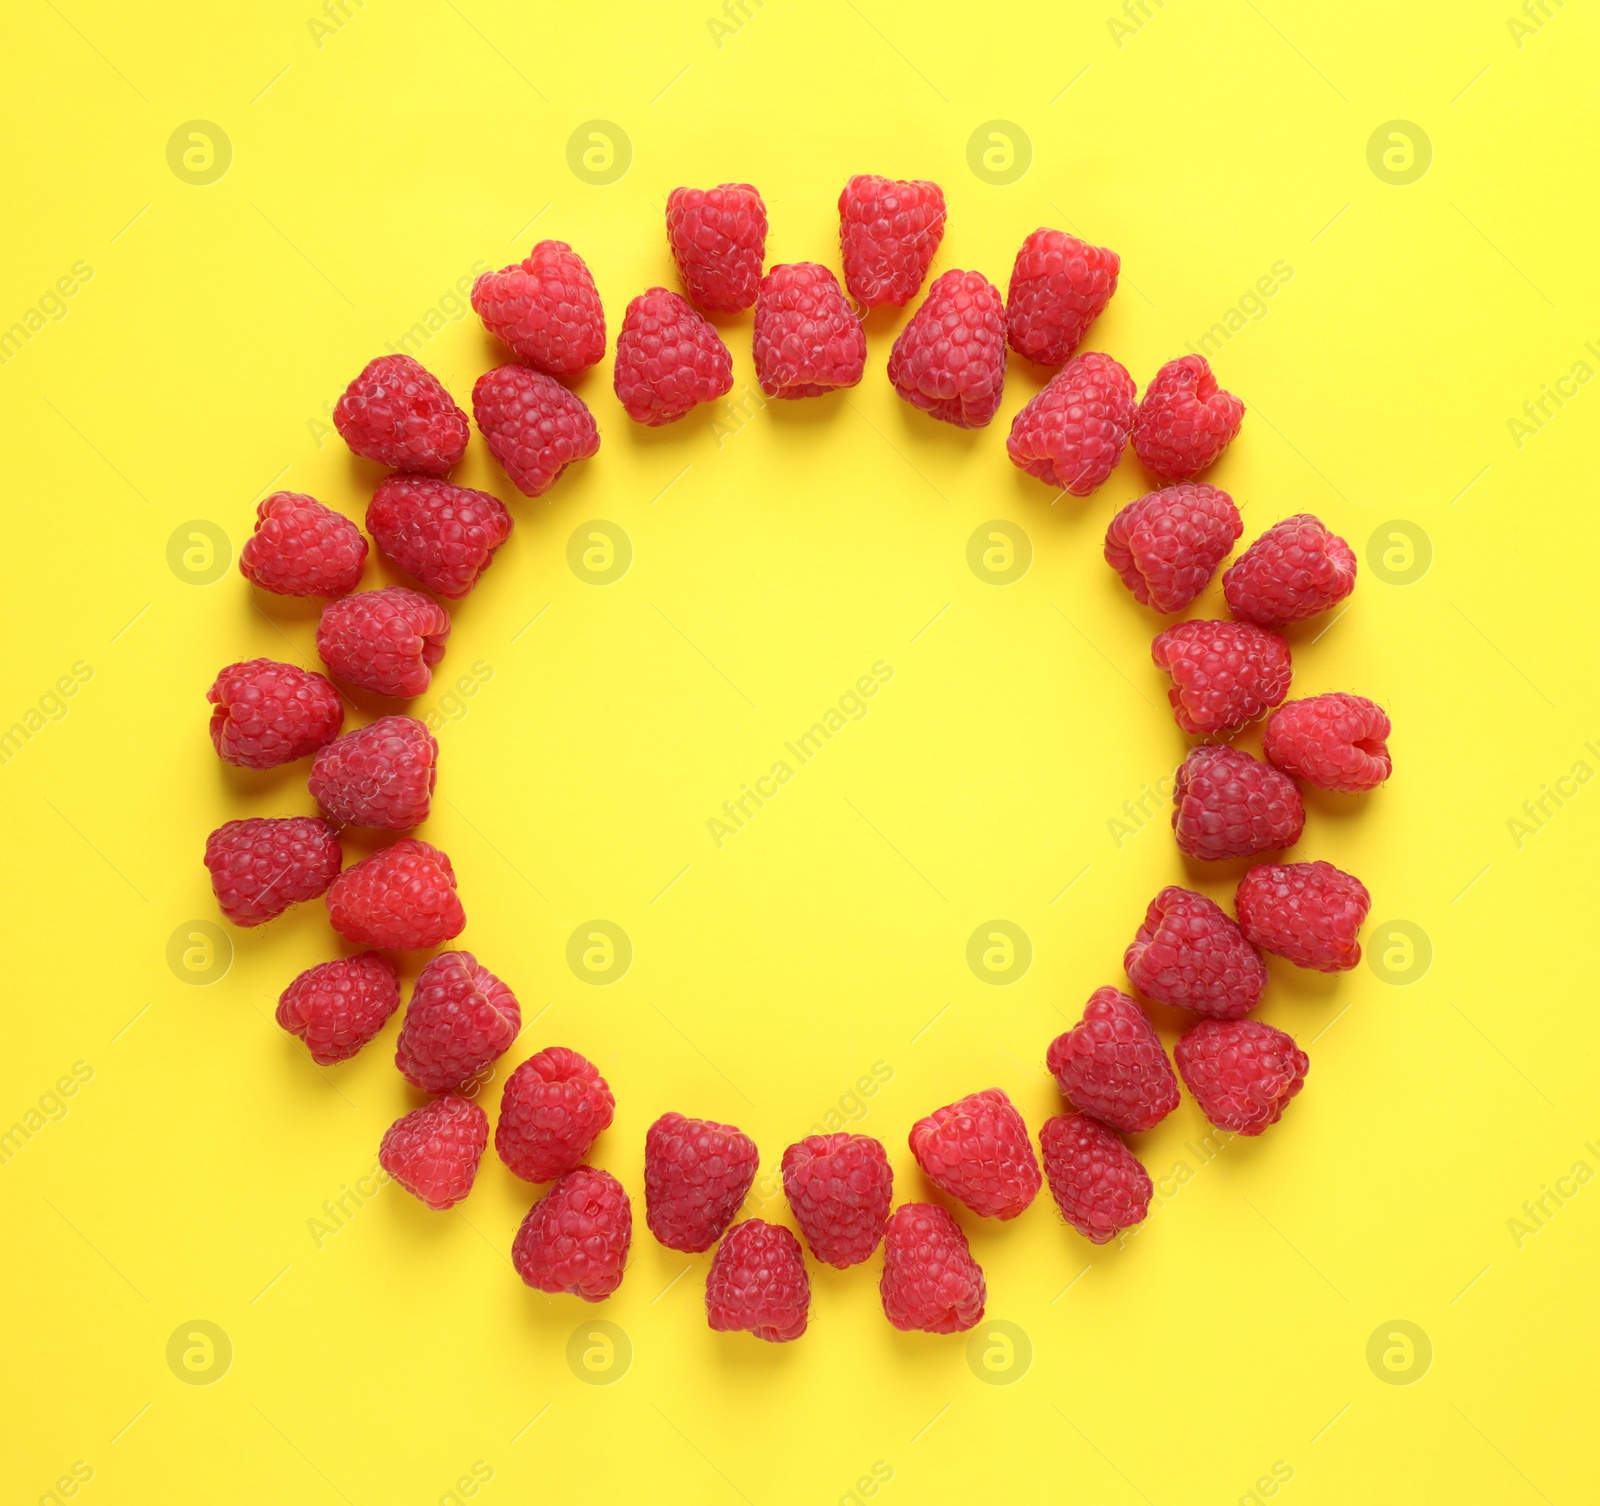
point(186, 1177)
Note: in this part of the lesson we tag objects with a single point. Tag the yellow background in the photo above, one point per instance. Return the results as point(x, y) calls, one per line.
point(777, 555)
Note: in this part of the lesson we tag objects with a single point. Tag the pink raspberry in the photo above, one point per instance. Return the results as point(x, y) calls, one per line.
point(380, 775)
point(575, 1238)
point(1111, 1064)
point(553, 1108)
point(301, 548)
point(387, 641)
point(669, 358)
point(696, 1174)
point(534, 426)
point(807, 341)
point(1334, 741)
point(444, 535)
point(265, 713)
point(1242, 1073)
point(977, 1150)
point(719, 239)
point(1059, 287)
point(398, 413)
point(1185, 421)
point(950, 360)
point(337, 1007)
point(402, 899)
point(1167, 545)
point(546, 309)
point(1098, 1183)
point(1189, 953)
point(262, 865)
point(841, 1188)
point(1309, 913)
point(758, 1283)
point(1293, 571)
point(930, 1281)
point(1071, 433)
point(888, 232)
point(460, 1018)
point(433, 1152)
point(1224, 674)
point(1227, 804)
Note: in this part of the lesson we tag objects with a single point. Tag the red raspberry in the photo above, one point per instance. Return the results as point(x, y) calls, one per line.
point(1098, 1183)
point(1071, 433)
point(977, 1149)
point(718, 238)
point(337, 1007)
point(402, 898)
point(262, 865)
point(433, 1152)
point(380, 775)
point(930, 1280)
point(1185, 421)
point(950, 360)
point(552, 1109)
point(1334, 741)
point(1228, 804)
point(546, 309)
point(534, 426)
point(669, 358)
point(1224, 674)
point(266, 713)
point(888, 232)
point(1242, 1073)
point(1293, 571)
point(398, 413)
point(1309, 913)
point(1059, 287)
point(301, 548)
point(576, 1237)
point(386, 641)
point(444, 535)
point(1189, 953)
point(1111, 1064)
point(841, 1188)
point(808, 341)
point(460, 1018)
point(696, 1174)
point(758, 1283)
point(1167, 545)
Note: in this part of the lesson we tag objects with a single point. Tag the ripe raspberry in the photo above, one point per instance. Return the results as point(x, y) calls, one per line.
point(460, 1018)
point(668, 359)
point(546, 309)
point(433, 1152)
point(301, 548)
point(1098, 1183)
point(1185, 421)
point(1224, 674)
point(1189, 953)
point(265, 713)
point(1334, 741)
point(576, 1237)
point(552, 1109)
point(888, 231)
point(380, 775)
point(718, 238)
point(1293, 571)
point(386, 641)
point(807, 341)
point(1167, 545)
point(1309, 913)
point(337, 1007)
point(1059, 287)
point(1242, 1073)
point(696, 1174)
point(841, 1188)
point(398, 413)
point(1071, 433)
point(1111, 1064)
point(402, 899)
point(758, 1283)
point(950, 360)
point(444, 535)
point(930, 1280)
point(262, 865)
point(534, 426)
point(977, 1149)
point(1228, 804)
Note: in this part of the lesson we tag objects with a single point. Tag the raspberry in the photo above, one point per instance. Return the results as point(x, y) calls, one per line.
point(380, 775)
point(262, 865)
point(444, 535)
point(266, 713)
point(930, 1280)
point(1185, 421)
point(1059, 287)
point(1071, 433)
point(808, 340)
point(668, 359)
point(888, 232)
point(1228, 804)
point(841, 1188)
point(1111, 1064)
point(386, 641)
point(1242, 1073)
point(718, 238)
point(758, 1283)
point(534, 426)
point(460, 1018)
point(552, 1109)
point(1334, 741)
point(398, 413)
point(337, 1007)
point(575, 1238)
point(301, 548)
point(1309, 913)
point(696, 1174)
point(1224, 674)
point(1189, 953)
point(950, 360)
point(433, 1152)
point(1167, 545)
point(402, 898)
point(546, 309)
point(1293, 571)
point(1098, 1183)
point(977, 1149)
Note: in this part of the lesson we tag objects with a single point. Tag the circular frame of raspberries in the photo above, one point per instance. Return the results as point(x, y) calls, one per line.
point(949, 361)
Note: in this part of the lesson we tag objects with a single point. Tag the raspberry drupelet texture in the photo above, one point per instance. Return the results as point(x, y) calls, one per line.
point(398, 413)
point(1072, 433)
point(669, 359)
point(841, 1188)
point(930, 1281)
point(433, 1152)
point(575, 1238)
point(552, 1109)
point(950, 360)
point(808, 340)
point(460, 1018)
point(719, 240)
point(696, 1174)
point(263, 864)
point(758, 1283)
point(387, 641)
point(1167, 545)
point(977, 1150)
point(1111, 1064)
point(1242, 1073)
point(301, 548)
point(1295, 570)
point(889, 230)
point(380, 775)
point(1309, 913)
point(444, 535)
point(534, 427)
point(1334, 741)
point(265, 713)
point(1059, 287)
point(1228, 804)
point(1098, 1183)
point(1189, 953)
point(337, 1007)
point(1185, 421)
point(401, 899)
point(546, 309)
point(1224, 674)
